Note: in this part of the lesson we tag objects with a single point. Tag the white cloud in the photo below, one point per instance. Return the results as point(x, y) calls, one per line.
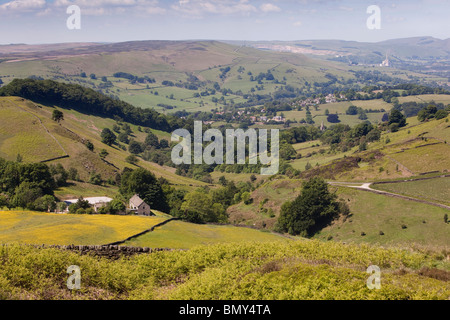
point(23, 5)
point(88, 7)
point(269, 7)
point(297, 24)
point(198, 8)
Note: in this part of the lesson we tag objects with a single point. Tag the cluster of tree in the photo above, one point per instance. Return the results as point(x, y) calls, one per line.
point(30, 185)
point(263, 76)
point(224, 72)
point(343, 137)
point(133, 79)
point(354, 110)
point(431, 111)
point(91, 102)
point(209, 205)
point(300, 134)
point(413, 108)
point(312, 210)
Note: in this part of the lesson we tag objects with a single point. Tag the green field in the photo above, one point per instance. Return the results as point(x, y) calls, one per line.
point(184, 235)
point(434, 190)
point(372, 213)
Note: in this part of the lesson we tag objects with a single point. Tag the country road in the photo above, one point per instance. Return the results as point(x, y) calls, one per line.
point(367, 187)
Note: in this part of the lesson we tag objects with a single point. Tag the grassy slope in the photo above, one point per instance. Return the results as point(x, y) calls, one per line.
point(435, 190)
point(372, 213)
point(71, 134)
point(183, 235)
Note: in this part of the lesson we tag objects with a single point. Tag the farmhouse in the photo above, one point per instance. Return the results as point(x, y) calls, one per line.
point(95, 202)
point(139, 206)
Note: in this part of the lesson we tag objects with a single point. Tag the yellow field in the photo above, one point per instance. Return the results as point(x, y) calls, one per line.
point(27, 227)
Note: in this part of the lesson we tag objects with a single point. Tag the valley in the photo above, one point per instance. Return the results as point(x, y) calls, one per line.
point(363, 170)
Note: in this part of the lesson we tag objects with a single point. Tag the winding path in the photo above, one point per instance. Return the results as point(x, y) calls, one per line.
point(367, 187)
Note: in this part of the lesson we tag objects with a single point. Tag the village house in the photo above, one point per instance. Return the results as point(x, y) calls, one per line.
point(138, 206)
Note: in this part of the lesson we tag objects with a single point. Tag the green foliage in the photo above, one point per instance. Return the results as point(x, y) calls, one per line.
point(57, 115)
point(199, 207)
point(108, 137)
point(132, 159)
point(282, 270)
point(397, 117)
point(310, 211)
point(89, 101)
point(135, 147)
point(24, 183)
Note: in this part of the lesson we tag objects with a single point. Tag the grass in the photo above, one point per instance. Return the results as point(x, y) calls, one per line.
point(434, 190)
point(183, 235)
point(65, 229)
point(372, 213)
point(22, 133)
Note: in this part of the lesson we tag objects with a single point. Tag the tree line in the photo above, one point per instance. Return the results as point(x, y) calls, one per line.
point(91, 102)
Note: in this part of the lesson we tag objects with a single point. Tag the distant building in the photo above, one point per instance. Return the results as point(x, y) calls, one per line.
point(95, 202)
point(386, 62)
point(138, 206)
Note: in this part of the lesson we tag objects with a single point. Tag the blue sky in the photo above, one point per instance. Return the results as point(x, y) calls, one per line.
point(44, 21)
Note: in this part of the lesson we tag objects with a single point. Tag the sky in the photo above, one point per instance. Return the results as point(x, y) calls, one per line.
point(45, 21)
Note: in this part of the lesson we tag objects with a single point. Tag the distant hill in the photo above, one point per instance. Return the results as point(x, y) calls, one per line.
point(172, 76)
point(419, 54)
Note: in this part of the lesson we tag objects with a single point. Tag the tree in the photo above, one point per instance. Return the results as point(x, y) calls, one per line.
point(96, 179)
point(310, 211)
point(103, 153)
point(89, 145)
point(333, 118)
point(441, 114)
point(108, 137)
point(25, 195)
point(123, 137)
point(163, 144)
point(132, 159)
point(45, 203)
point(152, 140)
point(352, 110)
point(199, 207)
point(135, 147)
point(57, 115)
point(397, 117)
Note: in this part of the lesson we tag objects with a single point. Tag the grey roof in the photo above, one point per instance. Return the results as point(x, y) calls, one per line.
point(136, 200)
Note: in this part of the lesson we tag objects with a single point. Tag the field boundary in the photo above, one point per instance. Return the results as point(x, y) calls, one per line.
point(142, 233)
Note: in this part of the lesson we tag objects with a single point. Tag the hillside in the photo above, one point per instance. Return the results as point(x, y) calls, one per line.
point(415, 152)
point(67, 140)
point(173, 76)
point(412, 54)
